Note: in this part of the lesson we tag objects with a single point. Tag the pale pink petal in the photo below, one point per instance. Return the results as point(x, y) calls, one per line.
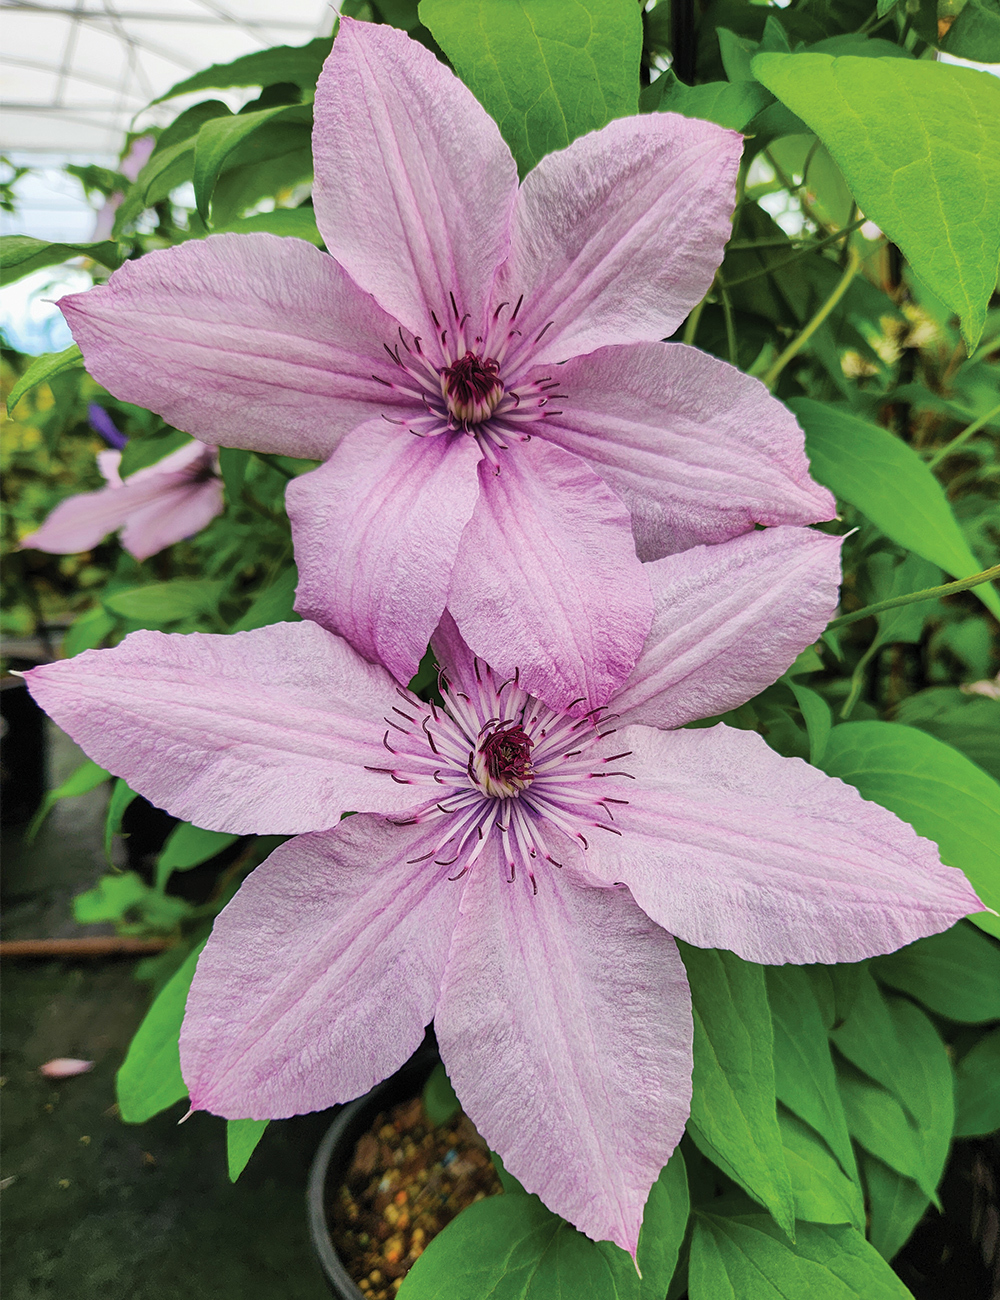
point(245, 340)
point(65, 1067)
point(698, 451)
point(547, 581)
point(414, 186)
point(565, 1027)
point(184, 509)
point(453, 656)
point(321, 975)
point(264, 732)
point(729, 619)
point(81, 522)
point(108, 462)
point(192, 458)
point(376, 532)
point(728, 845)
point(617, 237)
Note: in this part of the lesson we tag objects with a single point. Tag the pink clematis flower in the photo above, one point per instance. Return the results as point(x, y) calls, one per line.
point(468, 466)
point(516, 873)
point(154, 507)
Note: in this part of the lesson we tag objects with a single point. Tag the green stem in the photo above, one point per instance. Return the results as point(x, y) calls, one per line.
point(273, 463)
point(803, 252)
point(733, 349)
point(691, 328)
point(803, 337)
point(914, 597)
point(962, 438)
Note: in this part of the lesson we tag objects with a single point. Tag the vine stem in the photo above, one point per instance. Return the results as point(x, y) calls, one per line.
point(960, 439)
point(803, 337)
point(913, 597)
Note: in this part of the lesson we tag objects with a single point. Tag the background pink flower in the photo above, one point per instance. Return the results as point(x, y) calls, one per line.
point(468, 467)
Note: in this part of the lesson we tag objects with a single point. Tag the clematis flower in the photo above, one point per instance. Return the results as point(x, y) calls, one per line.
point(154, 507)
point(515, 873)
point(423, 357)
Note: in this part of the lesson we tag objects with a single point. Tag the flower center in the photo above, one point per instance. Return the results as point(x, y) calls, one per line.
point(502, 761)
point(472, 388)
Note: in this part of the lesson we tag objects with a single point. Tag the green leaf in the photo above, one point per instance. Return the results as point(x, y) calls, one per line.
point(21, 254)
point(296, 223)
point(868, 1039)
point(727, 103)
point(513, 1248)
point(242, 1136)
point(955, 974)
point(222, 136)
point(919, 145)
point(88, 776)
point(803, 1068)
point(42, 370)
point(165, 602)
point(188, 846)
point(823, 1192)
point(117, 895)
point(233, 463)
point(737, 54)
point(298, 64)
point(87, 632)
point(547, 71)
point(440, 1099)
point(664, 1223)
point(943, 796)
point(817, 717)
point(150, 1077)
point(896, 1205)
point(121, 797)
point(977, 1088)
point(975, 33)
point(734, 1117)
point(879, 1124)
point(141, 452)
point(929, 1089)
point(165, 170)
point(887, 481)
point(273, 604)
point(743, 1258)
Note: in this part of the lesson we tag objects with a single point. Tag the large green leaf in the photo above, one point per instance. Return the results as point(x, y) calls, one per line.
point(242, 1136)
point(513, 1248)
point(896, 1205)
point(221, 138)
point(743, 1258)
point(955, 974)
point(887, 481)
point(929, 1090)
point(803, 1067)
point(730, 104)
point(733, 1111)
point(188, 846)
point(977, 1088)
point(299, 223)
point(879, 1124)
point(975, 33)
point(273, 604)
point(919, 144)
point(299, 65)
point(547, 71)
point(943, 796)
point(664, 1222)
point(21, 254)
point(42, 369)
point(150, 1077)
point(823, 1192)
point(868, 1039)
point(161, 603)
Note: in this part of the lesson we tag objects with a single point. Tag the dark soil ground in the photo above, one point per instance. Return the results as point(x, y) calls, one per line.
point(94, 1209)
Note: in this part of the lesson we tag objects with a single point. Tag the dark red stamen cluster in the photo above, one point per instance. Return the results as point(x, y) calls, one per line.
point(472, 388)
point(506, 753)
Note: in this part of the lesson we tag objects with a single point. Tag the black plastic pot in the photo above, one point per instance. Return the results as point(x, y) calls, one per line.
point(336, 1151)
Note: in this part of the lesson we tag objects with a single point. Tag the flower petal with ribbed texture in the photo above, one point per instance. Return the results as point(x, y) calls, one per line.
point(264, 732)
point(547, 581)
point(414, 185)
point(321, 975)
point(729, 619)
point(376, 533)
point(698, 451)
point(565, 1026)
point(728, 845)
point(619, 235)
point(250, 341)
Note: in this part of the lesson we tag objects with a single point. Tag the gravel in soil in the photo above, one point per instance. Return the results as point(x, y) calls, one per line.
point(407, 1181)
